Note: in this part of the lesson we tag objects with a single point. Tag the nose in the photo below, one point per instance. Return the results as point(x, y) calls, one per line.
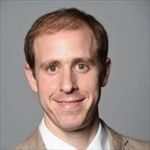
point(68, 82)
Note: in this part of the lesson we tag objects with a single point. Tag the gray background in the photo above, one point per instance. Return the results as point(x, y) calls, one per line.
point(125, 103)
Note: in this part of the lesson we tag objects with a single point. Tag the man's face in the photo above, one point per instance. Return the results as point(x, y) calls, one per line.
point(67, 78)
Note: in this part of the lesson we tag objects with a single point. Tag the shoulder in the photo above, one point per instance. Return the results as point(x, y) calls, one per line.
point(119, 141)
point(34, 141)
point(135, 143)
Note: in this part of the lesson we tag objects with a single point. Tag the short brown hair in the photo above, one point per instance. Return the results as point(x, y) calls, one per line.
point(65, 19)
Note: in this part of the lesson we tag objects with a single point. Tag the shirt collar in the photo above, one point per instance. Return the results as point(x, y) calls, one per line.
point(51, 141)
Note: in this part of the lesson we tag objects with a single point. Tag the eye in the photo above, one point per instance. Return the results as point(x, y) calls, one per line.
point(52, 69)
point(81, 67)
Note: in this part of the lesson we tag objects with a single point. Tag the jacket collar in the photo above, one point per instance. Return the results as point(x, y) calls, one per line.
point(39, 140)
point(117, 142)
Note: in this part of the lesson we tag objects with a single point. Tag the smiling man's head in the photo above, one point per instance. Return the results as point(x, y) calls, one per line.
point(67, 64)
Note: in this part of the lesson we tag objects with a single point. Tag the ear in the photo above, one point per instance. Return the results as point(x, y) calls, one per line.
point(30, 77)
point(105, 72)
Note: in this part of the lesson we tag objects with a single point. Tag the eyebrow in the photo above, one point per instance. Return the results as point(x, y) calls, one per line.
point(48, 63)
point(86, 60)
point(74, 61)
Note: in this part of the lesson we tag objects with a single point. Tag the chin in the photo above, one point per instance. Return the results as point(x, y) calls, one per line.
point(73, 125)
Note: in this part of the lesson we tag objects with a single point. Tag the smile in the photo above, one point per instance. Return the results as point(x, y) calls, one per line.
point(69, 104)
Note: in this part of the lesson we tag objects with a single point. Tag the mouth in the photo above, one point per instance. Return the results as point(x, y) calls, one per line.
point(69, 104)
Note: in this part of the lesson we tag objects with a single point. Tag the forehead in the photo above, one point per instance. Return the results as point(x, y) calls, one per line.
point(65, 44)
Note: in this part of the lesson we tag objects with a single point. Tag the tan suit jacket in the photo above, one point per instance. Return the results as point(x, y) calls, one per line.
point(117, 141)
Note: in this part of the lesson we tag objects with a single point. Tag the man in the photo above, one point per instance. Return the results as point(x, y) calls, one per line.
point(67, 65)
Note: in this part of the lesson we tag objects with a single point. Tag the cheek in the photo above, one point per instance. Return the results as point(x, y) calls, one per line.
point(90, 85)
point(46, 85)
point(89, 81)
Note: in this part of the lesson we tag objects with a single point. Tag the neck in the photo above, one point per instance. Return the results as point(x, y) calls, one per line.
point(74, 138)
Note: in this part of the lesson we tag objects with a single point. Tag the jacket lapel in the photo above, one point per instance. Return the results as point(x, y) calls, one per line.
point(40, 144)
point(117, 142)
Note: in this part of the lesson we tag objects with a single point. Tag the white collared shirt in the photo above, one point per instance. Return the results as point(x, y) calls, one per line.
point(52, 142)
